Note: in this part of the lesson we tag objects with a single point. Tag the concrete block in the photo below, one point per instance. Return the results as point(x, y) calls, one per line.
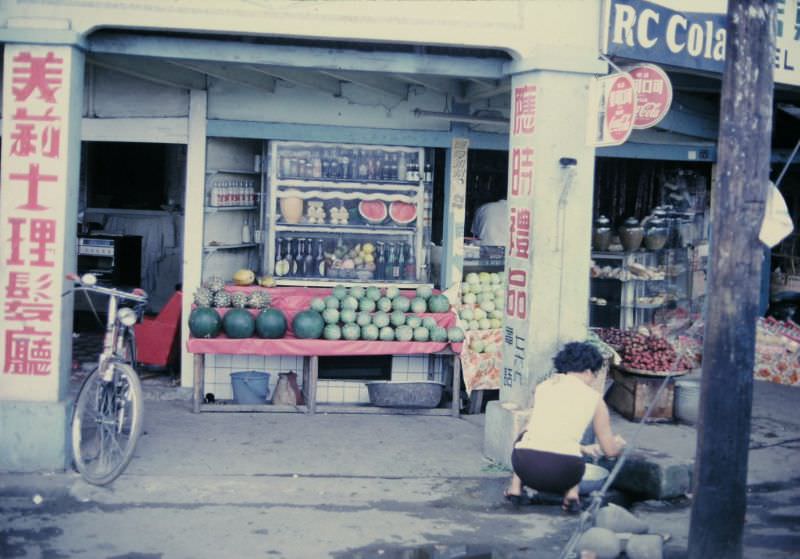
point(654, 475)
point(617, 519)
point(604, 543)
point(503, 423)
point(648, 546)
point(34, 436)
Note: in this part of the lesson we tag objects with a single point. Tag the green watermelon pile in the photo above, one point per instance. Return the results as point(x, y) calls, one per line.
point(370, 313)
point(238, 323)
point(482, 299)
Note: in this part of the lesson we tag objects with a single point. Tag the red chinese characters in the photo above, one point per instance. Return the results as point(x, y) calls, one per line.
point(32, 194)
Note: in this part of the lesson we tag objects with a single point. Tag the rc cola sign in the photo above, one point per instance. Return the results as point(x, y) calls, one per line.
point(653, 94)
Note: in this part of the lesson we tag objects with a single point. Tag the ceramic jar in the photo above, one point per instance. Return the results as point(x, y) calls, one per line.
point(656, 234)
point(292, 209)
point(631, 234)
point(601, 234)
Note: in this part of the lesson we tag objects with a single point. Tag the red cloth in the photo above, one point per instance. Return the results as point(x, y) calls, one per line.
point(291, 300)
point(156, 338)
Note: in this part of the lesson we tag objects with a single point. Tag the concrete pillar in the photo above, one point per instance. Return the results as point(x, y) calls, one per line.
point(42, 97)
point(551, 170)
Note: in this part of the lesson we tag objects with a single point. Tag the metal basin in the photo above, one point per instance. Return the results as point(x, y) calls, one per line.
point(409, 394)
point(593, 479)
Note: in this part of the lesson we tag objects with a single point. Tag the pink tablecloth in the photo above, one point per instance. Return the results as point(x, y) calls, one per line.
point(292, 300)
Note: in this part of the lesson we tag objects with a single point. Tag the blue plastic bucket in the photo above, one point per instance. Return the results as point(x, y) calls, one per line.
point(250, 387)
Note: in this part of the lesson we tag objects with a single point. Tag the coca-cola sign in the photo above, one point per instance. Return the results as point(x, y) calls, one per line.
point(612, 109)
point(653, 94)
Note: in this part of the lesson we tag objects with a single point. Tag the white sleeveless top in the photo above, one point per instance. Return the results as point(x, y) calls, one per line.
point(563, 407)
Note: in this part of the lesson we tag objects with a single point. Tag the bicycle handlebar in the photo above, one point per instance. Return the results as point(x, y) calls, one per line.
point(138, 295)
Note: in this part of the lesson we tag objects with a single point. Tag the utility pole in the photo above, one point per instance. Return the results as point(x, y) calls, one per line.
point(723, 433)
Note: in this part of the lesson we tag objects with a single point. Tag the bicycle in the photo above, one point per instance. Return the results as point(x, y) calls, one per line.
point(108, 414)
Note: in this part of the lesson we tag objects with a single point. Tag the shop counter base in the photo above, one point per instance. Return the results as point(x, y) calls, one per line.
point(310, 378)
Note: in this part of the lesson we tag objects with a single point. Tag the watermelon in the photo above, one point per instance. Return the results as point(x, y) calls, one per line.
point(380, 319)
point(418, 305)
point(386, 334)
point(331, 302)
point(332, 332)
point(351, 331)
point(270, 323)
point(369, 332)
point(348, 316)
point(424, 291)
point(238, 323)
point(455, 334)
point(366, 304)
point(429, 322)
point(363, 318)
point(402, 213)
point(204, 322)
point(384, 304)
point(392, 291)
point(308, 324)
point(404, 333)
point(401, 303)
point(413, 321)
point(421, 334)
point(397, 318)
point(350, 302)
point(373, 293)
point(340, 292)
point(330, 316)
point(372, 211)
point(318, 304)
point(438, 303)
point(438, 334)
point(357, 292)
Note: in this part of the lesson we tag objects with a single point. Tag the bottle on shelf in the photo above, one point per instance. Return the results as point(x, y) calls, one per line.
point(362, 164)
point(281, 264)
point(291, 269)
point(428, 172)
point(411, 265)
point(300, 259)
point(402, 172)
point(400, 265)
point(320, 265)
point(380, 262)
point(309, 270)
point(246, 236)
point(391, 264)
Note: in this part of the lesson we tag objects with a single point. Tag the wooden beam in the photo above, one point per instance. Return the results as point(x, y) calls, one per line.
point(734, 282)
point(437, 84)
point(379, 84)
point(184, 48)
point(303, 78)
point(230, 72)
point(151, 70)
point(477, 91)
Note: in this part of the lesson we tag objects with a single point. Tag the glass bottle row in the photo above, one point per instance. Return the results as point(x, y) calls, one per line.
point(232, 192)
point(339, 163)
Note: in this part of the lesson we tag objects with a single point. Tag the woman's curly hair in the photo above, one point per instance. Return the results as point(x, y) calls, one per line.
point(578, 356)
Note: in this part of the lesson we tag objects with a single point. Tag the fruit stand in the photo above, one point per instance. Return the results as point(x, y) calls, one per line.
point(321, 322)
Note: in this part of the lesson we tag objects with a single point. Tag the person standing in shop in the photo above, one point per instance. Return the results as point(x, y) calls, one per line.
point(490, 223)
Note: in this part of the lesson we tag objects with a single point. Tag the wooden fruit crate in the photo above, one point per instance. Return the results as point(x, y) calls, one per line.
point(631, 394)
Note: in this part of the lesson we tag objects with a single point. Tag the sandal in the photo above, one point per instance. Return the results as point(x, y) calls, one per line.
point(514, 499)
point(571, 506)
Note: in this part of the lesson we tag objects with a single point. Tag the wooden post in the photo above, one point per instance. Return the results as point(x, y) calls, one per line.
point(199, 381)
point(737, 209)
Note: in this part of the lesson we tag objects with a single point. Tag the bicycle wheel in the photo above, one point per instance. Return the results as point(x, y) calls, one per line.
point(106, 424)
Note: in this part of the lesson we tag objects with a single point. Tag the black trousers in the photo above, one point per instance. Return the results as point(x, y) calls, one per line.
point(547, 471)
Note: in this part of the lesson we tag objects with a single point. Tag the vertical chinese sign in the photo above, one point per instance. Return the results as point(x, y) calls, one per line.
point(457, 197)
point(33, 202)
point(518, 248)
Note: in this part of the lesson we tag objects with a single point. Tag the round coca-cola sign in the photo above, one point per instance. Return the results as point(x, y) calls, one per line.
point(653, 94)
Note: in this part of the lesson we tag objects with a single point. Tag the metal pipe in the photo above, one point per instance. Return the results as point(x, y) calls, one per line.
point(459, 118)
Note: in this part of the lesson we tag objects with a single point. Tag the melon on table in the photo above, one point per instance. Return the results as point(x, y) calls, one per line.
point(402, 213)
point(372, 211)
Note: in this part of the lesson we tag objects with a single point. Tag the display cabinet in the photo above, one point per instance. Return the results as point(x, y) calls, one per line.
point(232, 222)
point(629, 289)
point(345, 213)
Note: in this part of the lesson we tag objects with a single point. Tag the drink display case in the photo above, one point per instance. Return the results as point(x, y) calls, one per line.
point(345, 213)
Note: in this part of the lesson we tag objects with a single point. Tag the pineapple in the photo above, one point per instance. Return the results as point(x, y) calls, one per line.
point(203, 297)
point(239, 299)
point(215, 283)
point(222, 299)
point(258, 299)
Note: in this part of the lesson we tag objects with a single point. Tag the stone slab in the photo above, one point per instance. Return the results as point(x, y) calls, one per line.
point(34, 436)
